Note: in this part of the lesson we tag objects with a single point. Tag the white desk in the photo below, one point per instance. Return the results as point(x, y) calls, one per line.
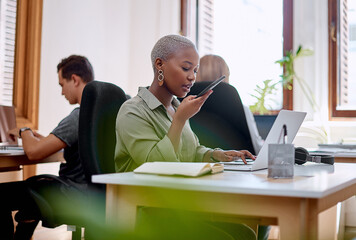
point(293, 204)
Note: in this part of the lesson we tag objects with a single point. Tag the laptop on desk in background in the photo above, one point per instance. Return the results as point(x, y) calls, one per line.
point(292, 119)
point(7, 122)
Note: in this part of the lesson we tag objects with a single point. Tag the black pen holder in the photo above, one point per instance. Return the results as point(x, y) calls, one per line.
point(280, 160)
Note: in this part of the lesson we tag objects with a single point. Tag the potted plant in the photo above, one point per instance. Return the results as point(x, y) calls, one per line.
point(261, 109)
point(261, 106)
point(263, 94)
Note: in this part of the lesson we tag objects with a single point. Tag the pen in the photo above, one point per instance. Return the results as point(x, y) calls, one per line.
point(284, 134)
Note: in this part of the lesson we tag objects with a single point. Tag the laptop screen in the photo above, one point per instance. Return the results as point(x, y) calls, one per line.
point(7, 122)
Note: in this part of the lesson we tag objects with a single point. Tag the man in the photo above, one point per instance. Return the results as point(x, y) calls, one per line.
point(74, 73)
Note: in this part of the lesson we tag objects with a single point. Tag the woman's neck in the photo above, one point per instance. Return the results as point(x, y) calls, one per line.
point(162, 94)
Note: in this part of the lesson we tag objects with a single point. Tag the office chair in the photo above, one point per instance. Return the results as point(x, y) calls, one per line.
point(97, 120)
point(97, 138)
point(221, 121)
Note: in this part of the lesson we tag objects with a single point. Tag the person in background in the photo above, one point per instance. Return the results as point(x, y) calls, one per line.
point(74, 72)
point(211, 68)
point(154, 126)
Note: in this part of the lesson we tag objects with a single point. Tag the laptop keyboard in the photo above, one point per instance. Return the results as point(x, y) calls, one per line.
point(11, 148)
point(5, 150)
point(239, 162)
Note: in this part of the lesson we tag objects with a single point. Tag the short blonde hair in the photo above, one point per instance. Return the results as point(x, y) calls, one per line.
point(212, 67)
point(168, 45)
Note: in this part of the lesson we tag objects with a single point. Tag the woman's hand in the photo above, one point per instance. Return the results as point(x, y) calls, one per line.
point(231, 155)
point(187, 109)
point(190, 106)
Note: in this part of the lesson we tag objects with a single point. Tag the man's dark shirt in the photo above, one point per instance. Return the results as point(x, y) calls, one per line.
point(67, 131)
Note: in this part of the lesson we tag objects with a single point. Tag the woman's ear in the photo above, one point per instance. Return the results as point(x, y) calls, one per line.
point(159, 64)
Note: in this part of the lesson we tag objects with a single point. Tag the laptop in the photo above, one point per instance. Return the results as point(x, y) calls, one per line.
point(7, 122)
point(292, 119)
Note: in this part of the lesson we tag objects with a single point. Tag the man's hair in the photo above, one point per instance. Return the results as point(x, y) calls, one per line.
point(168, 45)
point(77, 65)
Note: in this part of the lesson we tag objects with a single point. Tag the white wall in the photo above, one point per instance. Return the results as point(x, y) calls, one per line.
point(117, 37)
point(311, 31)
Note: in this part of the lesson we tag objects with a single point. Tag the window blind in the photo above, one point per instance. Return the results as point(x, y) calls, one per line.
point(205, 26)
point(343, 53)
point(7, 49)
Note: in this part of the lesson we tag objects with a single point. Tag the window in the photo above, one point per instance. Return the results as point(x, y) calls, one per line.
point(239, 31)
point(22, 69)
point(7, 49)
point(342, 58)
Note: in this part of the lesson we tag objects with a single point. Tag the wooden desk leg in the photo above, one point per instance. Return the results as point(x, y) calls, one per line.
point(29, 171)
point(300, 221)
point(120, 211)
point(328, 224)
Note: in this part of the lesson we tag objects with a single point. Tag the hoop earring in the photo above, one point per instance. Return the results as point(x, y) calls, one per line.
point(160, 77)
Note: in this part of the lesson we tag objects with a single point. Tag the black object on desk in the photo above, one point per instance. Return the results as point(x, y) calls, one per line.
point(302, 156)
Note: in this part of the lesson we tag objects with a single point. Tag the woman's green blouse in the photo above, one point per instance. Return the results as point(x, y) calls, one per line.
point(142, 125)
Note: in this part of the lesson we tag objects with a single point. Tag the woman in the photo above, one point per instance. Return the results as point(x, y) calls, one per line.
point(212, 67)
point(153, 126)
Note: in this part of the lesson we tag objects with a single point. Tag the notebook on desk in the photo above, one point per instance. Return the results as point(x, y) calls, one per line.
point(292, 119)
point(7, 122)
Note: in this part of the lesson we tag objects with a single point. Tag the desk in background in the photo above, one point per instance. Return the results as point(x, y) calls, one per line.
point(293, 204)
point(342, 157)
point(342, 152)
point(345, 159)
point(14, 161)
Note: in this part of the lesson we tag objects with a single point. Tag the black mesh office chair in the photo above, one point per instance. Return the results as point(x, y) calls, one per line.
point(221, 122)
point(97, 119)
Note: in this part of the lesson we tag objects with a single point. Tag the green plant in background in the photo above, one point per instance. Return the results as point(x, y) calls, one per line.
point(287, 78)
point(289, 74)
point(261, 94)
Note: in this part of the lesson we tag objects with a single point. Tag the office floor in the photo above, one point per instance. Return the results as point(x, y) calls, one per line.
point(350, 233)
point(59, 233)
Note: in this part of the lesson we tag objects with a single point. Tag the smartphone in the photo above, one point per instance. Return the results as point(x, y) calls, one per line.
point(211, 86)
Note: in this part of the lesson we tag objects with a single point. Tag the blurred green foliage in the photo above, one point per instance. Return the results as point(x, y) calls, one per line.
point(262, 94)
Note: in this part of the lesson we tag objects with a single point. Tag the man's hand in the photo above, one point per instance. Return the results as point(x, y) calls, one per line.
point(13, 133)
